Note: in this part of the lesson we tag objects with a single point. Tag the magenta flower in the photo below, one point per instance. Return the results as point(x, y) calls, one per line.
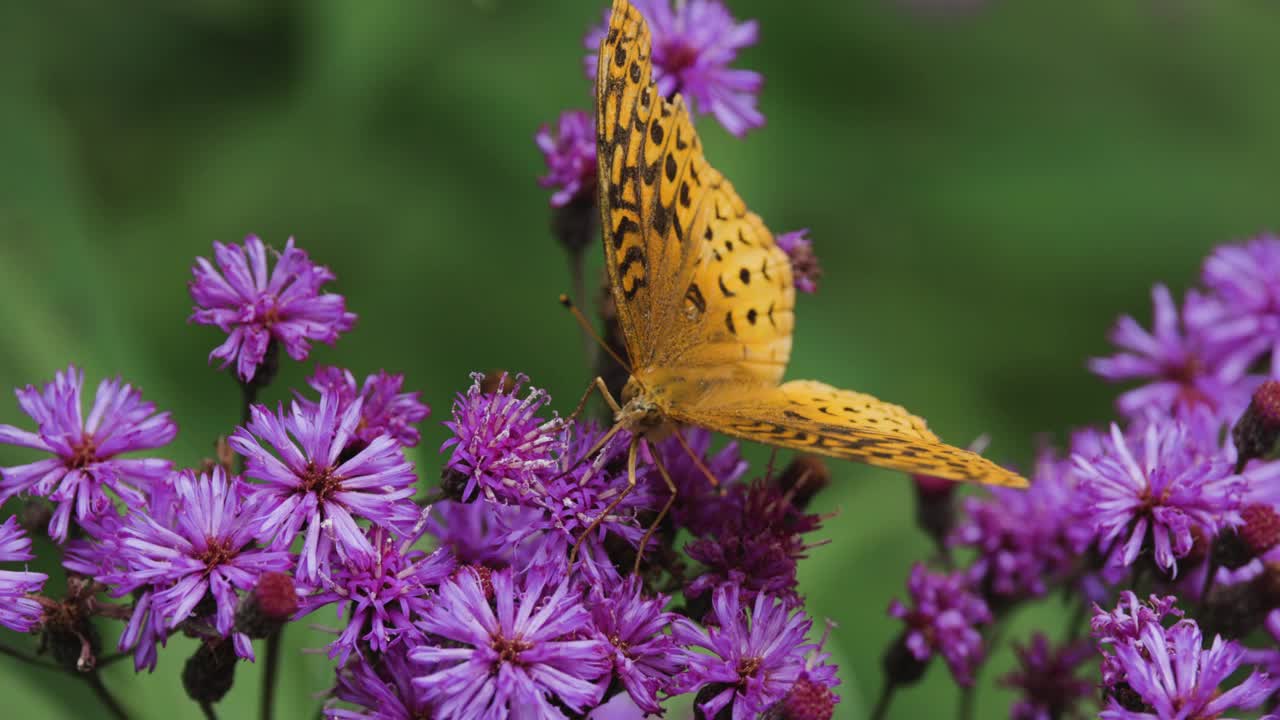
point(309, 487)
point(1184, 369)
point(644, 656)
point(756, 657)
point(384, 409)
point(1046, 676)
point(1172, 485)
point(382, 688)
point(944, 621)
point(1126, 625)
point(1245, 319)
point(17, 611)
point(85, 463)
point(570, 154)
point(700, 506)
point(484, 533)
point(693, 46)
point(805, 270)
point(511, 657)
point(254, 306)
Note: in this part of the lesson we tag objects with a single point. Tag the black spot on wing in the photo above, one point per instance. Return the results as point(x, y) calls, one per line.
point(724, 290)
point(751, 316)
point(671, 168)
point(745, 276)
point(625, 227)
point(728, 322)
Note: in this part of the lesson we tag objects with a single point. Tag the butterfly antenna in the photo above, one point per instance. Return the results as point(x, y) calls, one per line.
point(567, 302)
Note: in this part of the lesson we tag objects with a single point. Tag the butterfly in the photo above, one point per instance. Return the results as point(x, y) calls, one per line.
point(705, 298)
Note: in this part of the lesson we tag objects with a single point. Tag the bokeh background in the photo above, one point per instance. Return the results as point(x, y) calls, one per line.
point(987, 187)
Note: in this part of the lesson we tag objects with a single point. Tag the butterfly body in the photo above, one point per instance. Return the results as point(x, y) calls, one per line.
point(705, 297)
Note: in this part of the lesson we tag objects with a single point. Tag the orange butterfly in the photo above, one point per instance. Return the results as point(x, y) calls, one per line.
point(705, 298)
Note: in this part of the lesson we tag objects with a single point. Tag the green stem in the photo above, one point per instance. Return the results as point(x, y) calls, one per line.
point(105, 697)
point(28, 659)
point(881, 710)
point(269, 672)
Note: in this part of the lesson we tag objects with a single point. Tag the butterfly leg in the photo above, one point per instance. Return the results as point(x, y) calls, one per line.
point(697, 461)
point(631, 485)
point(666, 478)
point(597, 384)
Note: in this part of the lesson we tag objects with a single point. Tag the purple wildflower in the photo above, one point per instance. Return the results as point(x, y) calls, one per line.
point(483, 533)
point(805, 269)
point(17, 611)
point(813, 697)
point(514, 655)
point(1126, 624)
point(207, 550)
point(1245, 320)
point(254, 307)
point(499, 444)
point(644, 656)
point(755, 658)
point(699, 505)
point(381, 593)
point(385, 410)
point(1184, 369)
point(571, 157)
point(944, 620)
point(309, 487)
point(383, 689)
point(693, 46)
point(1046, 677)
point(1172, 675)
point(85, 463)
point(1172, 485)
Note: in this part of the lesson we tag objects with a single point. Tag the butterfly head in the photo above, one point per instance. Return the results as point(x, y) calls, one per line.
point(641, 413)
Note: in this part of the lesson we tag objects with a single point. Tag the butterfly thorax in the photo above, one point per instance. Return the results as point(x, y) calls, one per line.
point(641, 411)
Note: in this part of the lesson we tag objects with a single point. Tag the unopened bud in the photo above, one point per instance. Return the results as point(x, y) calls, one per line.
point(901, 667)
point(803, 478)
point(1257, 431)
point(1261, 529)
point(807, 700)
point(210, 671)
point(935, 507)
point(271, 604)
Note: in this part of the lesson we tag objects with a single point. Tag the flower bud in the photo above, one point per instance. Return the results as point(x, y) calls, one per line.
point(807, 700)
point(1257, 431)
point(803, 478)
point(210, 671)
point(272, 603)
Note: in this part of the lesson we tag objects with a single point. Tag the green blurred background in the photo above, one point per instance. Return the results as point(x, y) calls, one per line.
point(986, 190)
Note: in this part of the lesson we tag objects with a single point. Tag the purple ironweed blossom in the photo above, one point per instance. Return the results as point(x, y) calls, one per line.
point(756, 546)
point(693, 46)
point(1172, 485)
point(254, 307)
point(310, 487)
point(208, 548)
point(1172, 675)
point(1185, 370)
point(813, 696)
point(699, 504)
point(755, 658)
point(385, 410)
point(804, 264)
point(380, 594)
point(644, 656)
point(1124, 625)
point(382, 688)
point(944, 620)
point(514, 656)
point(1245, 320)
point(85, 463)
point(483, 533)
point(1046, 677)
point(570, 153)
point(499, 444)
point(17, 611)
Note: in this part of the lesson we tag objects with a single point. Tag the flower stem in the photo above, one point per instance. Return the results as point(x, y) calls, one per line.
point(881, 710)
point(964, 710)
point(28, 659)
point(269, 672)
point(105, 697)
point(209, 713)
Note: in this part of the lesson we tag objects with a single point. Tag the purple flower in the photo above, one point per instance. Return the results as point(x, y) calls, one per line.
point(805, 269)
point(753, 659)
point(700, 506)
point(483, 533)
point(17, 611)
point(813, 696)
point(644, 656)
point(85, 465)
point(254, 307)
point(499, 444)
point(1126, 624)
point(206, 550)
point(382, 593)
point(1185, 370)
point(1245, 319)
point(1173, 484)
point(1172, 675)
point(513, 656)
point(1046, 677)
point(385, 410)
point(571, 157)
point(383, 688)
point(693, 46)
point(309, 487)
point(944, 620)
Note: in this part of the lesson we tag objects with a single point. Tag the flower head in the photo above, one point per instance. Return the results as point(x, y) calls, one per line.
point(254, 306)
point(1046, 677)
point(499, 444)
point(1245, 317)
point(693, 46)
point(699, 505)
point(754, 658)
point(1185, 370)
point(382, 593)
point(513, 655)
point(644, 656)
point(384, 409)
point(1126, 624)
point(570, 153)
point(382, 689)
point(482, 532)
point(85, 463)
point(804, 263)
point(310, 487)
point(17, 611)
point(944, 620)
point(1172, 484)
